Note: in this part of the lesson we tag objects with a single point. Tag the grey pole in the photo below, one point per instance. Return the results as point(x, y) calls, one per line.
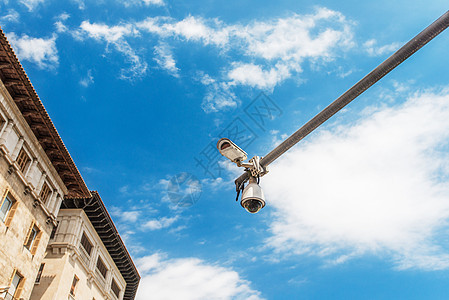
point(383, 69)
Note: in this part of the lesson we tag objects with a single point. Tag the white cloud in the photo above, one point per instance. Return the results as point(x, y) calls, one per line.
point(115, 35)
point(80, 3)
point(193, 279)
point(41, 51)
point(12, 16)
point(124, 189)
point(110, 34)
point(271, 51)
point(219, 96)
point(60, 26)
point(276, 139)
point(144, 2)
point(130, 216)
point(154, 2)
point(379, 186)
point(299, 36)
point(191, 28)
point(282, 45)
point(165, 60)
point(64, 16)
point(254, 76)
point(161, 223)
point(88, 80)
point(31, 4)
point(127, 216)
point(373, 50)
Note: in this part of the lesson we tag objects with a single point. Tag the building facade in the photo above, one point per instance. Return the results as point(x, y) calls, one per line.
point(86, 258)
point(37, 178)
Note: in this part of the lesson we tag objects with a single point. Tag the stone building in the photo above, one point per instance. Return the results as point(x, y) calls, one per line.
point(37, 176)
point(86, 258)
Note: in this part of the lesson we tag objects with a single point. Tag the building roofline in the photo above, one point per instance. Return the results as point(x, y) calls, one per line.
point(25, 97)
point(104, 226)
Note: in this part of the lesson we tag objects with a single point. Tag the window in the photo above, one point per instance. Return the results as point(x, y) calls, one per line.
point(53, 231)
point(101, 267)
point(33, 238)
point(5, 208)
point(39, 273)
point(87, 245)
point(16, 284)
point(74, 283)
point(8, 209)
point(115, 289)
point(45, 193)
point(22, 160)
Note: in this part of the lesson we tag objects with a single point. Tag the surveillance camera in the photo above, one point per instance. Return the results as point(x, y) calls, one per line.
point(253, 198)
point(230, 150)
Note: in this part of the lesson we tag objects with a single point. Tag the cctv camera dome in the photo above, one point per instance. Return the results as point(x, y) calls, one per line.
point(253, 205)
point(253, 198)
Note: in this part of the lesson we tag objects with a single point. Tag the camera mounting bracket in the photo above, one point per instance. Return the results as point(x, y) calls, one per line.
point(257, 170)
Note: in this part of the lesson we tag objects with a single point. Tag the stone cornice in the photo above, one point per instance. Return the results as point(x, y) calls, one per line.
point(25, 97)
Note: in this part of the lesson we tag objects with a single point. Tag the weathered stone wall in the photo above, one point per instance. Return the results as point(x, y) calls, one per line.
point(13, 254)
point(24, 187)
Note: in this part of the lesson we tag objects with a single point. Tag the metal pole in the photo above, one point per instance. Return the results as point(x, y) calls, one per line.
point(383, 69)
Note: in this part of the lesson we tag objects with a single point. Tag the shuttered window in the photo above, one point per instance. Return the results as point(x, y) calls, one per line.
point(33, 238)
point(5, 208)
point(45, 193)
point(101, 267)
point(16, 284)
point(8, 208)
point(115, 289)
point(11, 213)
point(22, 160)
point(86, 244)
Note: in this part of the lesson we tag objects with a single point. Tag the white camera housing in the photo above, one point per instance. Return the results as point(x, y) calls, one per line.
point(253, 198)
point(230, 150)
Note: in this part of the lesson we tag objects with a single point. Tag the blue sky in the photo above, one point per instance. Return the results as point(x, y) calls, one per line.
point(140, 91)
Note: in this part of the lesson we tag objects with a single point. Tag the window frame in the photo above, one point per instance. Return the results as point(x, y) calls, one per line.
point(45, 192)
point(11, 203)
point(19, 287)
point(23, 160)
point(73, 286)
point(118, 290)
point(39, 274)
point(53, 231)
point(86, 239)
point(12, 210)
point(100, 260)
point(32, 240)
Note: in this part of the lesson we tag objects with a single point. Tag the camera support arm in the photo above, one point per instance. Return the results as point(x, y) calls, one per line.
point(366, 82)
point(254, 166)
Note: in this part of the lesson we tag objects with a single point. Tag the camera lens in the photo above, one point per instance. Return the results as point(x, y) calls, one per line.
point(253, 205)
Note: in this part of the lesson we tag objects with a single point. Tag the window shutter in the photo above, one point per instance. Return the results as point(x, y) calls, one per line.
point(4, 196)
point(29, 233)
point(12, 277)
point(11, 213)
point(19, 288)
point(36, 242)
